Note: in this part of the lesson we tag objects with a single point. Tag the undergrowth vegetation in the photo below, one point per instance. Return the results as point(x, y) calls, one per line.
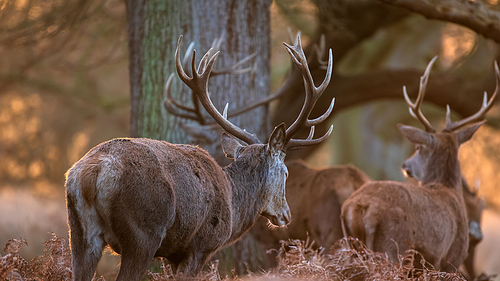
point(298, 260)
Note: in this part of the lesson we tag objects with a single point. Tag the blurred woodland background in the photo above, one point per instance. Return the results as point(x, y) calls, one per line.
point(64, 88)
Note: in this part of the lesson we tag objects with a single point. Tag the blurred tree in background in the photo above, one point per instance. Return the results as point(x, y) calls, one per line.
point(64, 81)
point(61, 74)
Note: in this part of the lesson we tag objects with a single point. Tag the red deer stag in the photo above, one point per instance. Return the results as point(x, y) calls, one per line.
point(147, 198)
point(392, 217)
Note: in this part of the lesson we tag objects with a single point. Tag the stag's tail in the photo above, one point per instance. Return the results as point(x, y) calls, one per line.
point(88, 182)
point(82, 179)
point(356, 224)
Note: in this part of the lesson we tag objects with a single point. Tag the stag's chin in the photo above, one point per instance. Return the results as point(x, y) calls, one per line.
point(278, 220)
point(407, 173)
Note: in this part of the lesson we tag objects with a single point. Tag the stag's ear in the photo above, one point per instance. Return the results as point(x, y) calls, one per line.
point(415, 135)
point(463, 135)
point(232, 148)
point(277, 139)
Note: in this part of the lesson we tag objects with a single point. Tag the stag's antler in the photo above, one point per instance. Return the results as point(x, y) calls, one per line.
point(415, 107)
point(177, 109)
point(453, 126)
point(312, 95)
point(199, 85)
point(194, 113)
point(450, 126)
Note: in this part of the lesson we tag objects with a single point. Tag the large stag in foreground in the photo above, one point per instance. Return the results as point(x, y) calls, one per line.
point(147, 198)
point(392, 217)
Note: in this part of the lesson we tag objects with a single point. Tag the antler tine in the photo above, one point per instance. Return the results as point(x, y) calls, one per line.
point(199, 85)
point(234, 68)
point(297, 143)
point(323, 117)
point(293, 39)
point(485, 107)
point(175, 108)
point(414, 108)
point(312, 94)
point(214, 48)
point(205, 60)
point(189, 50)
point(218, 41)
point(320, 51)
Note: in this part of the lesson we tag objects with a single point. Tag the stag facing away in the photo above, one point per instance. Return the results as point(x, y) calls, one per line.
point(431, 218)
point(147, 198)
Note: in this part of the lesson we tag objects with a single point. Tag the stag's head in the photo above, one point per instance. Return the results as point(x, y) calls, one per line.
point(439, 149)
point(268, 162)
point(265, 161)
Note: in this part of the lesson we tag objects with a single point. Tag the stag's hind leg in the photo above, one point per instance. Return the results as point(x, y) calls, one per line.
point(194, 263)
point(136, 259)
point(86, 243)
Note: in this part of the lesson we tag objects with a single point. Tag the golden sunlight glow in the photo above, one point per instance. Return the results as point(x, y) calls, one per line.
point(493, 2)
point(51, 153)
point(456, 42)
point(17, 105)
point(15, 169)
point(78, 146)
point(479, 160)
point(32, 126)
point(35, 169)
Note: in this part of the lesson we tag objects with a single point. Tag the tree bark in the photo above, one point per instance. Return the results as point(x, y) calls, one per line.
point(154, 27)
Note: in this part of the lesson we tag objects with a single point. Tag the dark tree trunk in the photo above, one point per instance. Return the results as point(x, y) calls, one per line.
point(154, 27)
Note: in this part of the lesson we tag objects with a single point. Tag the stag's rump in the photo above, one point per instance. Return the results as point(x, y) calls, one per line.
point(115, 188)
point(392, 217)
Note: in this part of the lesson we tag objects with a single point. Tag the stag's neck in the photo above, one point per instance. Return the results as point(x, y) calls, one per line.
point(247, 197)
point(449, 176)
